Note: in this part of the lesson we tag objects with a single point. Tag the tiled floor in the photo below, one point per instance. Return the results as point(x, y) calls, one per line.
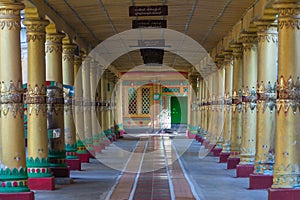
point(161, 176)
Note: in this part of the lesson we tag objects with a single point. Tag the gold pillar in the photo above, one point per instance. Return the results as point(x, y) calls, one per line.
point(236, 120)
point(78, 115)
point(192, 124)
point(99, 110)
point(220, 103)
point(287, 158)
point(37, 158)
point(104, 108)
point(249, 97)
point(86, 97)
point(199, 103)
point(68, 81)
point(94, 119)
point(266, 96)
point(55, 101)
point(227, 101)
point(119, 107)
point(13, 163)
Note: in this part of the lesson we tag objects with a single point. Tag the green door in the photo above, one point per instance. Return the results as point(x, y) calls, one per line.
point(178, 110)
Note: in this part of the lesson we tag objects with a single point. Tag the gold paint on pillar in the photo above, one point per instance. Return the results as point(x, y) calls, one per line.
point(249, 97)
point(119, 110)
point(86, 97)
point(204, 109)
point(55, 102)
point(78, 115)
point(35, 96)
point(217, 78)
point(103, 107)
point(11, 104)
point(227, 101)
point(266, 91)
point(68, 80)
point(209, 114)
point(94, 120)
point(287, 149)
point(192, 105)
point(236, 121)
point(199, 101)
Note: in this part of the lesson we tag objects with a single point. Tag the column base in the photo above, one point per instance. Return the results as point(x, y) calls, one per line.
point(45, 183)
point(224, 157)
point(216, 151)
point(232, 163)
point(284, 193)
point(17, 195)
point(211, 147)
point(60, 171)
point(260, 181)
point(74, 164)
point(84, 157)
point(98, 149)
point(243, 171)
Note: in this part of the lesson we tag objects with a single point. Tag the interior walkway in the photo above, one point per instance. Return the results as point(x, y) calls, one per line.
point(158, 173)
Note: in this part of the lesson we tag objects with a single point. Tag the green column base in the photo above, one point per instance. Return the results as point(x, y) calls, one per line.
point(14, 180)
point(38, 168)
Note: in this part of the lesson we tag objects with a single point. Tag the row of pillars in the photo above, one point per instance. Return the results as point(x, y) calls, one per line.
point(52, 106)
point(247, 110)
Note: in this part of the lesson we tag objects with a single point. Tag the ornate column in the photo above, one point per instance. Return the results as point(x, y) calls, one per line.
point(209, 114)
point(204, 112)
point(94, 119)
point(68, 81)
point(86, 97)
point(192, 128)
point(227, 107)
point(219, 104)
point(119, 110)
point(266, 99)
point(246, 165)
point(13, 172)
point(38, 164)
point(287, 158)
point(55, 101)
point(236, 119)
point(99, 110)
point(199, 107)
point(82, 154)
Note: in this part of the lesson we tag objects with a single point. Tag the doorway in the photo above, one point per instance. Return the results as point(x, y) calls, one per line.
point(178, 111)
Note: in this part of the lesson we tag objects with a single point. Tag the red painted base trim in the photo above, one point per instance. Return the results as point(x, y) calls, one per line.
point(46, 183)
point(282, 194)
point(217, 151)
point(224, 157)
point(232, 163)
point(74, 164)
point(98, 149)
point(17, 196)
point(244, 170)
point(260, 181)
point(84, 158)
point(60, 171)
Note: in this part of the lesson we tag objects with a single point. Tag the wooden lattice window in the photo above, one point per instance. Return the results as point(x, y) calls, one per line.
point(132, 101)
point(145, 100)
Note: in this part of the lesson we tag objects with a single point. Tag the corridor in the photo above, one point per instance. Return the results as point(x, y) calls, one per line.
point(151, 170)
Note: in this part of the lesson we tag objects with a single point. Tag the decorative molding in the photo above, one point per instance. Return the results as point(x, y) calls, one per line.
point(10, 25)
point(53, 48)
point(11, 92)
point(268, 38)
point(35, 37)
point(266, 96)
point(249, 47)
point(15, 109)
point(287, 24)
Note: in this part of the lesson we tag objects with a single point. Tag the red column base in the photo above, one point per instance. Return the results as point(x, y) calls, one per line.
point(60, 171)
point(210, 147)
point(217, 151)
point(84, 157)
point(244, 170)
point(260, 181)
point(224, 157)
point(98, 149)
point(74, 164)
point(232, 163)
point(45, 183)
point(280, 194)
point(17, 195)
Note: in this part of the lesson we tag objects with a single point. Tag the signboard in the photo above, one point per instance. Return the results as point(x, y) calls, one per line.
point(149, 23)
point(135, 11)
point(151, 43)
